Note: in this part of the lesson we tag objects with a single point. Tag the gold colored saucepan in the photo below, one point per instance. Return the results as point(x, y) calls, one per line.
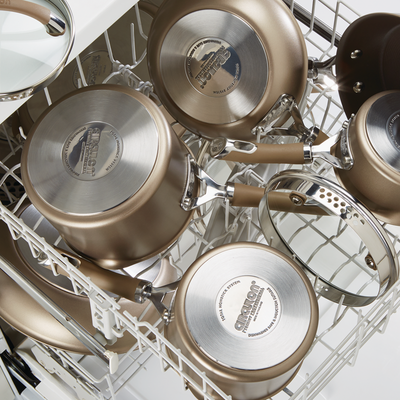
point(365, 154)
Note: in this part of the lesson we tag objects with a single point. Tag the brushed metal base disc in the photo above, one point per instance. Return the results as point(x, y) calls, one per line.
point(383, 128)
point(248, 308)
point(92, 151)
point(214, 66)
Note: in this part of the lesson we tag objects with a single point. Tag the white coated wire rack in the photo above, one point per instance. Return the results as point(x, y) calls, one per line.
point(335, 346)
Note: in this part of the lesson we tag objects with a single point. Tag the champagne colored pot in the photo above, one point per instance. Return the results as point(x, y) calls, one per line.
point(250, 356)
point(106, 169)
point(219, 66)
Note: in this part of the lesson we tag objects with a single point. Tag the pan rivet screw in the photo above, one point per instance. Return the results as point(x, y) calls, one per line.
point(296, 200)
point(358, 87)
point(356, 54)
point(370, 262)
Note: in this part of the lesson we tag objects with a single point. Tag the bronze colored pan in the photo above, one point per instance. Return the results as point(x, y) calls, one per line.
point(106, 169)
point(365, 155)
point(269, 352)
point(218, 67)
point(21, 312)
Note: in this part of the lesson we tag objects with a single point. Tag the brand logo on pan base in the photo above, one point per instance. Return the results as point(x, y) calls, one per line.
point(248, 307)
point(212, 66)
point(92, 151)
point(251, 301)
point(89, 152)
point(6, 2)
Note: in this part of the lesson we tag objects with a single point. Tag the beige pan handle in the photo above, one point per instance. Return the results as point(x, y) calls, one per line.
point(54, 25)
point(250, 196)
point(269, 153)
point(291, 153)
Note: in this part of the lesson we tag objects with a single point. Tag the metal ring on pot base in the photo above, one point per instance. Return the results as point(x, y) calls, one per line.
point(336, 201)
point(246, 315)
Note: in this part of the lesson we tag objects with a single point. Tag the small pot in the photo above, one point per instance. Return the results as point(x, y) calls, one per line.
point(106, 169)
point(250, 326)
point(28, 68)
point(374, 140)
point(218, 67)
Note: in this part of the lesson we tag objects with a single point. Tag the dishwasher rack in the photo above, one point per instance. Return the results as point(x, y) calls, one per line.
point(342, 331)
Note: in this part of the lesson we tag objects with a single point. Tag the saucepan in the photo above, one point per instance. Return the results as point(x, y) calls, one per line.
point(247, 306)
point(219, 67)
point(33, 55)
point(105, 168)
point(365, 154)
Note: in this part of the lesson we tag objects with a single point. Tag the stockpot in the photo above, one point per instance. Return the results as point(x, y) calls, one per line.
point(219, 66)
point(365, 154)
point(26, 67)
point(246, 315)
point(106, 169)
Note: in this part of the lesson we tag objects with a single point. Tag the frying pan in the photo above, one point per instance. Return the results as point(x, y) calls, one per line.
point(28, 317)
point(364, 154)
point(26, 67)
point(218, 67)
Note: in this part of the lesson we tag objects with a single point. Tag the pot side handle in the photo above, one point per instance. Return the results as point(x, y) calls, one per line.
point(55, 26)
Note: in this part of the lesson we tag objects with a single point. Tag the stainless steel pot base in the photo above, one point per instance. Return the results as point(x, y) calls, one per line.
point(213, 67)
point(93, 140)
point(364, 249)
point(216, 71)
point(255, 303)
